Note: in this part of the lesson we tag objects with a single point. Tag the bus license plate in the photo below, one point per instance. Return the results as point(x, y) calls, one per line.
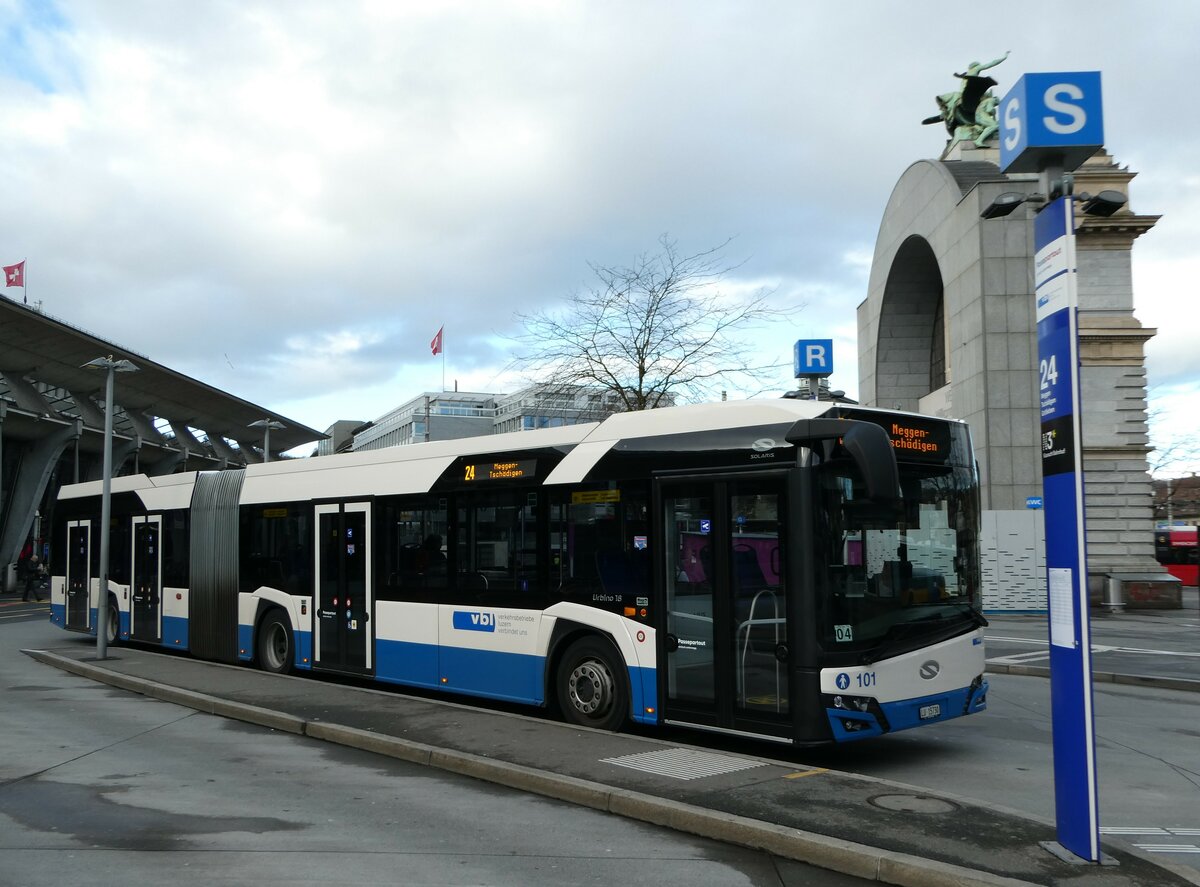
point(930, 711)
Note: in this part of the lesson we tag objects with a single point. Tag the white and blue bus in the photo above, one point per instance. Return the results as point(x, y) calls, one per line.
point(798, 571)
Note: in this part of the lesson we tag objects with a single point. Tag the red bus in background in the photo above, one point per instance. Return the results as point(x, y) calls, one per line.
point(1175, 549)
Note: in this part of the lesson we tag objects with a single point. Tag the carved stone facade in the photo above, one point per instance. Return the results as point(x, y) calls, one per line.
point(948, 328)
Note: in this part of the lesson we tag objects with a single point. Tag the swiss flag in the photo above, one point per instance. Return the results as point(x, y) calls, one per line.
point(436, 344)
point(14, 275)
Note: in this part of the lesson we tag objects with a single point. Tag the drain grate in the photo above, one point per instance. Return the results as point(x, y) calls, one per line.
point(683, 763)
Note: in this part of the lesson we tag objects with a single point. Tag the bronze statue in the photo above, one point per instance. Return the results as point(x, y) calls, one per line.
point(970, 113)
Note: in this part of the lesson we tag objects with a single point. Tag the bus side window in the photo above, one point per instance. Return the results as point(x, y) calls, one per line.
point(496, 556)
point(412, 552)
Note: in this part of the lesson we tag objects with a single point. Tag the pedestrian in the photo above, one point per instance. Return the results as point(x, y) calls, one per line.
point(35, 575)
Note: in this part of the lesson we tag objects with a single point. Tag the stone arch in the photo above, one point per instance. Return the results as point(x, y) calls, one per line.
point(913, 315)
point(940, 270)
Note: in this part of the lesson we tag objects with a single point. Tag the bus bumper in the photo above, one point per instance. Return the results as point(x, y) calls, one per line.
point(848, 724)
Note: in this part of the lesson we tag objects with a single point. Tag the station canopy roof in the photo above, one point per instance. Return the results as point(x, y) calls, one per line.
point(42, 375)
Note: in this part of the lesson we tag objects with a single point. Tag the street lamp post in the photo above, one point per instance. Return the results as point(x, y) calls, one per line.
point(266, 425)
point(110, 366)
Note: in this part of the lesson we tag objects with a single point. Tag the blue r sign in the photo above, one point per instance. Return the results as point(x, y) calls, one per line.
point(813, 357)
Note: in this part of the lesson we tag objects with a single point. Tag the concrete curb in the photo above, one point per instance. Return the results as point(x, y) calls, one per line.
point(1101, 677)
point(202, 702)
point(847, 857)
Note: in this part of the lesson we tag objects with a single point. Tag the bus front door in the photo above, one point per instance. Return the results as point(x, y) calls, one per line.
point(727, 641)
point(79, 575)
point(146, 612)
point(343, 629)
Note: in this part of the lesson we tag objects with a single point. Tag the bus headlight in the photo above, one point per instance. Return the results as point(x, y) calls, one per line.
point(851, 703)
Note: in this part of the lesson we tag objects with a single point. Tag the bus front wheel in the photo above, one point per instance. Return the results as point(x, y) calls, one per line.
point(592, 690)
point(275, 644)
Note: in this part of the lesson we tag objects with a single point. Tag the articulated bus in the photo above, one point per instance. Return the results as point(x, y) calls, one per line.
point(1175, 548)
point(797, 571)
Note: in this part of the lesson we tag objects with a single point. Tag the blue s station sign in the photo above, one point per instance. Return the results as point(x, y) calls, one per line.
point(1047, 115)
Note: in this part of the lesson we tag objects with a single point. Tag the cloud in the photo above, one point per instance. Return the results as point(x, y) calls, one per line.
point(287, 201)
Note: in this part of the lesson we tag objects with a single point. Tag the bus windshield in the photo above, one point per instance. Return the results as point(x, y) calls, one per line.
point(893, 576)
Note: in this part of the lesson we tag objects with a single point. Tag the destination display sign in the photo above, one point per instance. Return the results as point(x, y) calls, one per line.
point(915, 439)
point(921, 440)
point(481, 471)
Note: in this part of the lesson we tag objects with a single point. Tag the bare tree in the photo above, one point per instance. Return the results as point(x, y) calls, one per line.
point(657, 332)
point(1170, 453)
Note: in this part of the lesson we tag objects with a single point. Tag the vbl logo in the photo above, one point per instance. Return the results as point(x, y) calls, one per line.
point(465, 620)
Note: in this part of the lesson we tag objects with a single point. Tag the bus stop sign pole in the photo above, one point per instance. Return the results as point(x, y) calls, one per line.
point(1051, 123)
point(1075, 798)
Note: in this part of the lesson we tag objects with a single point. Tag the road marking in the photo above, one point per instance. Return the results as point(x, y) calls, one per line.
point(1156, 832)
point(1020, 658)
point(683, 763)
point(1154, 652)
point(1168, 848)
point(804, 773)
point(1096, 648)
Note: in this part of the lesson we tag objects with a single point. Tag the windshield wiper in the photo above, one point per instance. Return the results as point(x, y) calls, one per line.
point(896, 631)
point(976, 617)
point(931, 628)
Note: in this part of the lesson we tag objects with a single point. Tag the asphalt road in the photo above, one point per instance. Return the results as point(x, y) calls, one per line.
point(1148, 739)
point(1149, 761)
point(1165, 643)
point(99, 786)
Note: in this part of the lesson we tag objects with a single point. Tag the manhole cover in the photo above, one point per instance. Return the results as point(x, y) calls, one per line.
point(913, 804)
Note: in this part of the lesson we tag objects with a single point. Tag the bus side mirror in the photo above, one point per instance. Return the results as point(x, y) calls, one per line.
point(876, 460)
point(868, 445)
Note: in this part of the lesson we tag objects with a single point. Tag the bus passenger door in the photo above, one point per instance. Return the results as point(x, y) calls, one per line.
point(727, 642)
point(343, 570)
point(145, 614)
point(79, 584)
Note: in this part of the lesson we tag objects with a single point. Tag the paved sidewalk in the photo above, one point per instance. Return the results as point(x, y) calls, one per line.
point(866, 827)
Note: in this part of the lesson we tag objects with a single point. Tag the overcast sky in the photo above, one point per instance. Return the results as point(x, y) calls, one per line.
point(287, 199)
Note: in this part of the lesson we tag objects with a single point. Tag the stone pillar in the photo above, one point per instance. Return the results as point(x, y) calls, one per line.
point(1112, 354)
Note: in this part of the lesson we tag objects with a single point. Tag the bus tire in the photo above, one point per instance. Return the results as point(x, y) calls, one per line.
point(275, 651)
point(591, 685)
point(112, 631)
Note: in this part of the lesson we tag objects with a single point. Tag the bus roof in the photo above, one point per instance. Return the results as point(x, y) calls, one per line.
point(415, 468)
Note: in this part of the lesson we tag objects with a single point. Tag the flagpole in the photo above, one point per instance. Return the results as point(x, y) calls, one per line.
point(443, 357)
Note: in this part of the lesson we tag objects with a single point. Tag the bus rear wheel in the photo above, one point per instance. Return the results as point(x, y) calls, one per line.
point(112, 628)
point(592, 690)
point(275, 652)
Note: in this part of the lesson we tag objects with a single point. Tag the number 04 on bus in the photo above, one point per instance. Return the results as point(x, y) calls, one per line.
point(789, 570)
